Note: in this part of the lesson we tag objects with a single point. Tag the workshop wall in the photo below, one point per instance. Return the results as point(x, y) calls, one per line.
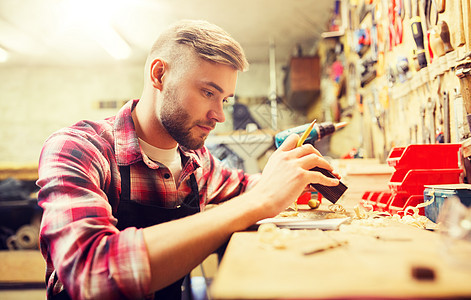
point(381, 88)
point(38, 100)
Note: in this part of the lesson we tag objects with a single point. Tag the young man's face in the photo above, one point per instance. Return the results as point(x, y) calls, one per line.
point(193, 102)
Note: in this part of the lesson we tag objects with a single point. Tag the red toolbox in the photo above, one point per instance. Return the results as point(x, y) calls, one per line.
point(415, 166)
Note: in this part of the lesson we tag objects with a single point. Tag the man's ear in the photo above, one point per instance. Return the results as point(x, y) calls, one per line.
point(157, 71)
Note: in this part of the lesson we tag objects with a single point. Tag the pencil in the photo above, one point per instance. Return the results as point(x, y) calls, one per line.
point(306, 134)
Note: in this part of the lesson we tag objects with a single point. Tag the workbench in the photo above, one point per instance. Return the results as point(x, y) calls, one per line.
point(388, 261)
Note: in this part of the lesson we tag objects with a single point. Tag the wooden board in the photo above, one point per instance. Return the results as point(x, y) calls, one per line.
point(365, 267)
point(18, 171)
point(22, 266)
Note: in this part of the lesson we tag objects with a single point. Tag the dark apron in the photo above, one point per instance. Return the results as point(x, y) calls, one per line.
point(133, 214)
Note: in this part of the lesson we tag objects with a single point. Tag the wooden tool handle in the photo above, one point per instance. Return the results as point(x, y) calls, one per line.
point(438, 47)
point(445, 36)
point(441, 6)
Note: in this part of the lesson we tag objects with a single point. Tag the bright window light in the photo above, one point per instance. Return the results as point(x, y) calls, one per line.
point(3, 55)
point(94, 18)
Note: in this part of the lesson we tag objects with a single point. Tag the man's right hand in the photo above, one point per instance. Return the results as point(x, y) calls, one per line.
point(287, 173)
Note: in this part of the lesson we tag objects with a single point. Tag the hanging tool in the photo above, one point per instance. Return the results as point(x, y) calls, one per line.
point(429, 24)
point(409, 9)
point(392, 21)
point(465, 23)
point(431, 107)
point(461, 130)
point(441, 112)
point(367, 71)
point(436, 43)
point(374, 113)
point(445, 36)
point(362, 40)
point(455, 17)
point(441, 6)
point(374, 34)
point(425, 131)
point(399, 11)
point(402, 67)
point(417, 33)
point(463, 72)
point(446, 117)
point(396, 15)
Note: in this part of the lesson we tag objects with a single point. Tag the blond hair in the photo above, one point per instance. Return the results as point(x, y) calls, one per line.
point(208, 41)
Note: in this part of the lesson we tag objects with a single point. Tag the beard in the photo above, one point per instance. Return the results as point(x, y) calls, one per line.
point(177, 121)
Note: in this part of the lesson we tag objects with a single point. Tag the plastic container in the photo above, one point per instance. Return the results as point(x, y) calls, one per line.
point(439, 193)
point(432, 156)
point(400, 202)
point(379, 199)
point(413, 181)
point(416, 166)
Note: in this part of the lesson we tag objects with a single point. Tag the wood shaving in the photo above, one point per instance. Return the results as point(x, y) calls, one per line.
point(420, 205)
point(304, 242)
point(416, 219)
point(336, 215)
point(273, 237)
point(294, 206)
point(287, 214)
point(362, 213)
point(413, 220)
point(337, 208)
point(372, 222)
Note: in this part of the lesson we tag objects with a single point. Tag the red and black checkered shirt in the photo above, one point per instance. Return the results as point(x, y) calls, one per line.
point(80, 184)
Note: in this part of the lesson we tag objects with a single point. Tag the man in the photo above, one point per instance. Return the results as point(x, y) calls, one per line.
point(121, 196)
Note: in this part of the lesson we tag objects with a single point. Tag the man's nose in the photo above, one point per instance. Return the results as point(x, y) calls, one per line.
point(217, 113)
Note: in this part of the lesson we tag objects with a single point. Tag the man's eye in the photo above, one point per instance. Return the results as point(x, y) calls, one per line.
point(208, 94)
point(228, 99)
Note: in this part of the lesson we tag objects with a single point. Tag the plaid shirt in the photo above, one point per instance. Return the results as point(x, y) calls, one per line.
point(80, 184)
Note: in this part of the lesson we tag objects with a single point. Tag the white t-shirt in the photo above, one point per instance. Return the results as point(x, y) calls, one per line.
point(168, 157)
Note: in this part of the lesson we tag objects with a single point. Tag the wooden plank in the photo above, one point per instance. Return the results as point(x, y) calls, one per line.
point(18, 171)
point(365, 267)
point(22, 266)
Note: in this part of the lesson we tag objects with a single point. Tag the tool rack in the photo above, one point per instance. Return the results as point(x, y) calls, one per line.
point(415, 166)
